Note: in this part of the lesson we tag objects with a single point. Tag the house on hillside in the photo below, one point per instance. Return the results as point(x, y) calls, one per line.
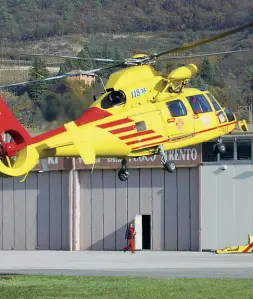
point(89, 79)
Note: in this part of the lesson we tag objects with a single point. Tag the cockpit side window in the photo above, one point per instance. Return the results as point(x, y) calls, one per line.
point(199, 104)
point(215, 104)
point(113, 99)
point(176, 108)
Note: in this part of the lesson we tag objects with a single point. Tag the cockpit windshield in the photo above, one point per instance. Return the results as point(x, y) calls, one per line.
point(114, 98)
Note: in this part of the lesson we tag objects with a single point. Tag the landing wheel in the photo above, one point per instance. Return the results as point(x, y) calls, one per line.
point(170, 166)
point(220, 148)
point(123, 175)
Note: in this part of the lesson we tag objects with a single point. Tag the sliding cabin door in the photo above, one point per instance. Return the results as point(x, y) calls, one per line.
point(178, 118)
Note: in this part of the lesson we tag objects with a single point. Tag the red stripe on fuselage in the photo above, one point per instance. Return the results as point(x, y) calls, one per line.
point(122, 130)
point(115, 123)
point(136, 134)
point(207, 130)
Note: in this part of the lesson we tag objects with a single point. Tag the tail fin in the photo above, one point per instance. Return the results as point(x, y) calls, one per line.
point(18, 156)
point(9, 124)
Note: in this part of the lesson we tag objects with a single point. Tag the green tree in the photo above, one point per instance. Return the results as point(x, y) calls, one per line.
point(207, 71)
point(218, 78)
point(38, 71)
point(198, 82)
point(50, 106)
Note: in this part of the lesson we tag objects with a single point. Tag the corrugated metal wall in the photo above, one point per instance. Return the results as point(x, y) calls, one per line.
point(107, 205)
point(227, 205)
point(35, 214)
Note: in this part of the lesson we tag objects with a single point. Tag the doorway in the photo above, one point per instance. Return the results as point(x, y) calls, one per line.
point(146, 232)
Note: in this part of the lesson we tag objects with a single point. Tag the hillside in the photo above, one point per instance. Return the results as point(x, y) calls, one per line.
point(116, 29)
point(36, 19)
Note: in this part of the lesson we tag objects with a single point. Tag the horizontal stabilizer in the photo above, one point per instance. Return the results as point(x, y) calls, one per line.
point(85, 150)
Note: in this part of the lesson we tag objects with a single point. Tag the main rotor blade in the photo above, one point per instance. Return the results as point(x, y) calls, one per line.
point(60, 76)
point(205, 41)
point(75, 57)
point(205, 54)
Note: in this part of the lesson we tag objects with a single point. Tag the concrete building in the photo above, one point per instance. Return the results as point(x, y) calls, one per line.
point(227, 196)
point(65, 205)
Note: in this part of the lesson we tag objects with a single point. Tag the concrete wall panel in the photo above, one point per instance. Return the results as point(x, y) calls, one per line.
point(65, 210)
point(145, 192)
point(43, 219)
point(133, 195)
point(85, 210)
point(8, 214)
point(55, 210)
point(109, 209)
point(121, 213)
point(19, 215)
point(209, 207)
point(97, 206)
point(225, 206)
point(170, 211)
point(243, 204)
point(158, 209)
point(183, 221)
point(194, 208)
point(31, 211)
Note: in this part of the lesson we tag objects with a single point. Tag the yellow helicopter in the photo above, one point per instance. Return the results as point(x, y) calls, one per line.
point(140, 113)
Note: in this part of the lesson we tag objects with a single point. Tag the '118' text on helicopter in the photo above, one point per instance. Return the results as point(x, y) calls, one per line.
point(140, 113)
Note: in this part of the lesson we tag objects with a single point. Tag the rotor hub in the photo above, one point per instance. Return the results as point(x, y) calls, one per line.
point(9, 149)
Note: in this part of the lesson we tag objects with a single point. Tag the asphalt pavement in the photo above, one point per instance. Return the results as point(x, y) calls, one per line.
point(142, 263)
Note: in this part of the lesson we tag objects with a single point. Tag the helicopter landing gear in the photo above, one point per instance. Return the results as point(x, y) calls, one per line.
point(168, 165)
point(123, 174)
point(219, 147)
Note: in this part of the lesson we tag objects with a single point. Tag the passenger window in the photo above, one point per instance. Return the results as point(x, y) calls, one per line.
point(215, 104)
point(229, 114)
point(176, 108)
point(140, 126)
point(221, 117)
point(199, 104)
